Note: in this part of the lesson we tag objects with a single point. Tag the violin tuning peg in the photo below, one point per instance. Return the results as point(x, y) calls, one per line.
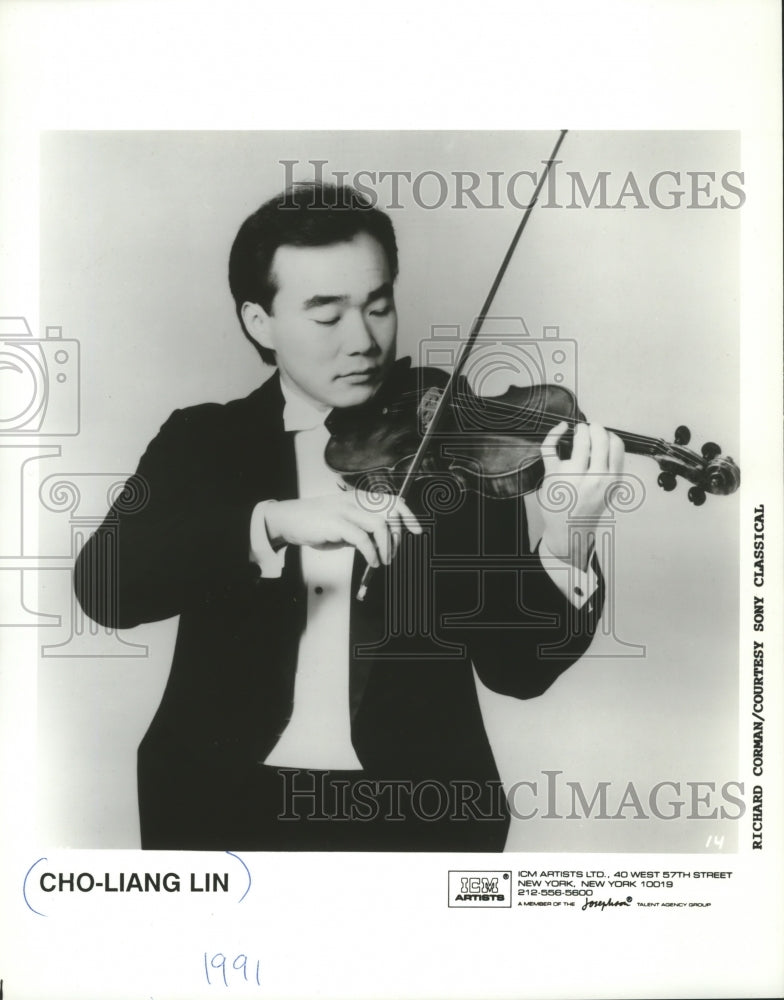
point(710, 450)
point(697, 496)
point(667, 481)
point(682, 435)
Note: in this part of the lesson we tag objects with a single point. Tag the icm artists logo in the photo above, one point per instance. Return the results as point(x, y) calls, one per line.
point(480, 889)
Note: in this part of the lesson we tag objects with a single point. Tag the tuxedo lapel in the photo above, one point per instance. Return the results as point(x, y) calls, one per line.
point(267, 451)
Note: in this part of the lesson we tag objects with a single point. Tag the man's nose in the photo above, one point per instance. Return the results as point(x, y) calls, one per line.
point(358, 337)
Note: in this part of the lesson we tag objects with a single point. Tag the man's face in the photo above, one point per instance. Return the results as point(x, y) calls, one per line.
point(333, 323)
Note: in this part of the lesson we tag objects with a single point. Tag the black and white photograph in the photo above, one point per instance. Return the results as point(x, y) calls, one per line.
point(522, 586)
point(389, 532)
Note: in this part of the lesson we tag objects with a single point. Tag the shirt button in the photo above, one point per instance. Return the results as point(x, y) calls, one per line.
point(578, 591)
point(319, 590)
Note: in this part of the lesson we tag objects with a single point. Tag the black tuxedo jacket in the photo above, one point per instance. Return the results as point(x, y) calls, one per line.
point(468, 591)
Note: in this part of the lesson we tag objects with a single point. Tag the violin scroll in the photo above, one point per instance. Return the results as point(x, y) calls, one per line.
point(722, 475)
point(708, 472)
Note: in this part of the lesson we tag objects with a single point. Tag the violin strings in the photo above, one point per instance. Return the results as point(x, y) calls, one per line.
point(546, 420)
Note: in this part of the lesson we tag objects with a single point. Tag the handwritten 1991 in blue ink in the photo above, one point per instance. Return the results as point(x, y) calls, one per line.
point(228, 973)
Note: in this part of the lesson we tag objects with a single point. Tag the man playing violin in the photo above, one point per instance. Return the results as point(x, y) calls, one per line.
point(297, 717)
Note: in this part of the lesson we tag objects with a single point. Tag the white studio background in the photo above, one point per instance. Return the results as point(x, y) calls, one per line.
point(135, 233)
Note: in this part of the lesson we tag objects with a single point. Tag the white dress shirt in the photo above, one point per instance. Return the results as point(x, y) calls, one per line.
point(318, 734)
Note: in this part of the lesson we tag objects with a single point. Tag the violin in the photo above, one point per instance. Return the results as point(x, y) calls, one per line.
point(423, 422)
point(490, 445)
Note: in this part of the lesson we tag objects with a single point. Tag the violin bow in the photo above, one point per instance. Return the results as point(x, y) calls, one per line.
point(443, 403)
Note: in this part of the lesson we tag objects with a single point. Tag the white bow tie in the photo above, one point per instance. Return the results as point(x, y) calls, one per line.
point(300, 414)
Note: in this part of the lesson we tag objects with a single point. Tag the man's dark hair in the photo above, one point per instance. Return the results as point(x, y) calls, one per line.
point(305, 215)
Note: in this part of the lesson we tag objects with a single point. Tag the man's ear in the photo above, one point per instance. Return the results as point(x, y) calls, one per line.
point(258, 324)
